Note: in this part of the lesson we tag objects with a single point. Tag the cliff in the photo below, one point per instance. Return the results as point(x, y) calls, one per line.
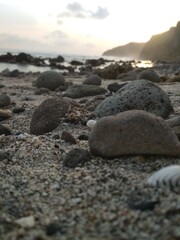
point(164, 46)
point(131, 50)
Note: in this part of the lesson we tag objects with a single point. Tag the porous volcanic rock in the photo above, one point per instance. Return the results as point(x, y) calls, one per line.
point(132, 133)
point(50, 80)
point(139, 94)
point(48, 114)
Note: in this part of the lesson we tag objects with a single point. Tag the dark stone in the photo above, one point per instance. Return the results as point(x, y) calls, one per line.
point(41, 91)
point(50, 80)
point(93, 80)
point(18, 109)
point(54, 228)
point(4, 130)
point(4, 156)
point(24, 58)
point(14, 73)
point(83, 137)
point(4, 100)
point(114, 87)
point(76, 157)
point(141, 201)
point(66, 136)
point(76, 63)
point(48, 115)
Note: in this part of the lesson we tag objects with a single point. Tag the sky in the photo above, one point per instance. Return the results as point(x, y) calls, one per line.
point(82, 27)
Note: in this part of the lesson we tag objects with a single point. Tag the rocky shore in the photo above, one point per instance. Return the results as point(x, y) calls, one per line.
point(62, 180)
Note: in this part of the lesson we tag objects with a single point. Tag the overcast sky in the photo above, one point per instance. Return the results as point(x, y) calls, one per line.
point(86, 27)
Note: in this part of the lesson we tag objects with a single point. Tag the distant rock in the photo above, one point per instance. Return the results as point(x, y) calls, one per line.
point(48, 115)
point(139, 94)
point(164, 46)
point(79, 91)
point(131, 50)
point(150, 74)
point(114, 87)
point(133, 132)
point(92, 80)
point(76, 63)
point(50, 80)
point(113, 70)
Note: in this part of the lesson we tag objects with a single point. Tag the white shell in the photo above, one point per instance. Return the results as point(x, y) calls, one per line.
point(167, 176)
point(91, 123)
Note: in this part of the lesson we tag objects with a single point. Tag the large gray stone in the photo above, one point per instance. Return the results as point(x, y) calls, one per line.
point(92, 80)
point(4, 100)
point(50, 80)
point(140, 95)
point(132, 133)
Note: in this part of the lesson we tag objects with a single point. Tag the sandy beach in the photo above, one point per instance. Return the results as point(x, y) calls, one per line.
point(105, 199)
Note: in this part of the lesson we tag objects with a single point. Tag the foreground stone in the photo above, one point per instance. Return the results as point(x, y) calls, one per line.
point(132, 133)
point(48, 114)
point(4, 100)
point(141, 95)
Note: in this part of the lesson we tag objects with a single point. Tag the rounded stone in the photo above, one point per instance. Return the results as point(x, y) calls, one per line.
point(93, 80)
point(48, 115)
point(50, 80)
point(4, 100)
point(137, 95)
point(150, 74)
point(133, 132)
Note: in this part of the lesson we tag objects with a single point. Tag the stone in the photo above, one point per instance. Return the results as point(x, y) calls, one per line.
point(26, 222)
point(114, 87)
point(41, 91)
point(150, 74)
point(4, 156)
point(5, 130)
point(18, 109)
point(48, 115)
point(92, 80)
point(140, 95)
point(134, 132)
point(79, 91)
point(5, 113)
point(76, 158)
point(4, 100)
point(66, 136)
point(50, 80)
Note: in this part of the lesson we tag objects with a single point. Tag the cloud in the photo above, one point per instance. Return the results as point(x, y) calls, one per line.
point(75, 10)
point(101, 13)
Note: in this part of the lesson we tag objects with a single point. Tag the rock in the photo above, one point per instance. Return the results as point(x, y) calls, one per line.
point(68, 137)
point(95, 62)
point(114, 87)
point(41, 91)
point(24, 58)
point(79, 91)
point(91, 104)
point(18, 109)
point(47, 115)
point(133, 132)
point(5, 113)
point(113, 70)
point(14, 73)
point(54, 228)
point(76, 63)
point(140, 95)
point(4, 100)
point(26, 222)
point(5, 130)
point(176, 130)
point(173, 122)
point(50, 80)
point(4, 156)
point(174, 79)
point(92, 80)
point(76, 157)
point(150, 75)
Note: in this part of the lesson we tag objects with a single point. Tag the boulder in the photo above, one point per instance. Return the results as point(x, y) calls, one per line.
point(50, 80)
point(48, 115)
point(114, 87)
point(92, 80)
point(140, 95)
point(150, 74)
point(133, 132)
point(79, 91)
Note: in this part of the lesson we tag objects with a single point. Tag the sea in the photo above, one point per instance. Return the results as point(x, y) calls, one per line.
point(68, 58)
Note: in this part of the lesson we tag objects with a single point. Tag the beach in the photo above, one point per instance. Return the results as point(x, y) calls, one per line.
point(103, 199)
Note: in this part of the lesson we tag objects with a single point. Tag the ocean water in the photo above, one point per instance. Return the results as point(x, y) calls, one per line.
point(68, 58)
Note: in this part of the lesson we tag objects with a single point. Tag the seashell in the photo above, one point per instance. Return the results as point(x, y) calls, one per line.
point(91, 123)
point(167, 176)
